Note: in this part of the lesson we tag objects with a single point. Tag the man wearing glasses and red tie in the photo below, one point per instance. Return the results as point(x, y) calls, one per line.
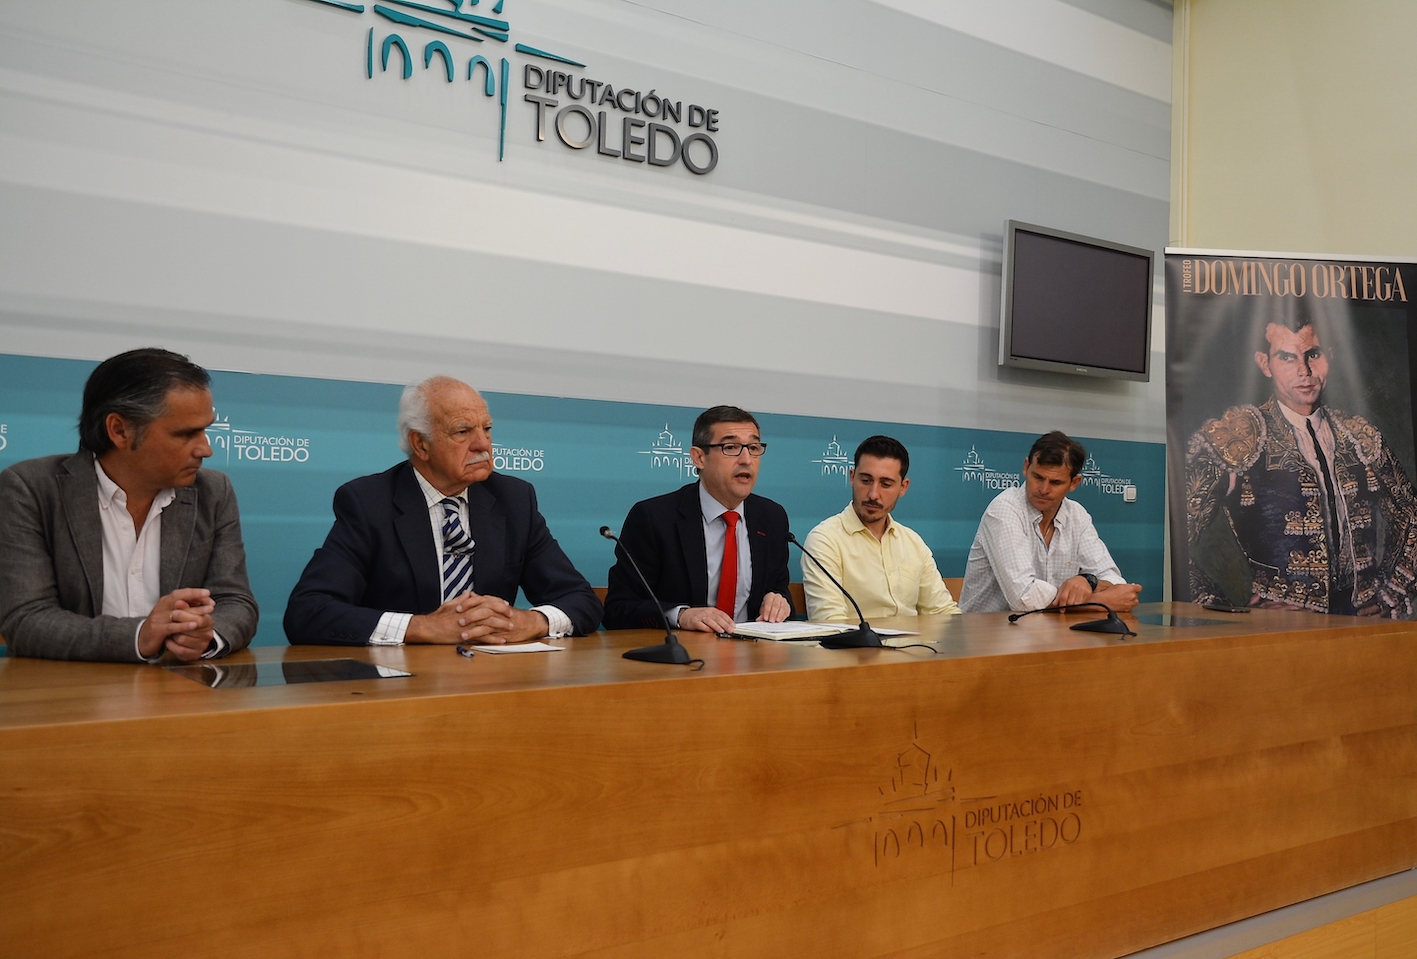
point(713, 552)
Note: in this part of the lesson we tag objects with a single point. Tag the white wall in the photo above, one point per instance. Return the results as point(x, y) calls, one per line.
point(223, 179)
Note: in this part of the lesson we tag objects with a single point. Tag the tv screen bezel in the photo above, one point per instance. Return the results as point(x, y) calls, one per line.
point(1006, 318)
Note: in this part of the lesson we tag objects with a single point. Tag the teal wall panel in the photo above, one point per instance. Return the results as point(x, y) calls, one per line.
point(288, 442)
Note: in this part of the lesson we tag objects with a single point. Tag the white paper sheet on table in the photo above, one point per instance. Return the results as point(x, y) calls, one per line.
point(537, 647)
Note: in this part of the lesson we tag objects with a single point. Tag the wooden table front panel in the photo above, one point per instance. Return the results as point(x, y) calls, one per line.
point(1030, 792)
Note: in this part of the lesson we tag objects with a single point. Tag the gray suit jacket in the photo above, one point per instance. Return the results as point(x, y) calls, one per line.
point(51, 561)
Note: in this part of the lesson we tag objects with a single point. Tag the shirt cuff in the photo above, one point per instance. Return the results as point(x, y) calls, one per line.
point(558, 623)
point(137, 652)
point(391, 629)
point(1038, 595)
point(217, 647)
point(673, 615)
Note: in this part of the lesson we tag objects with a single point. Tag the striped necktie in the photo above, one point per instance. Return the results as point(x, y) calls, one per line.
point(457, 552)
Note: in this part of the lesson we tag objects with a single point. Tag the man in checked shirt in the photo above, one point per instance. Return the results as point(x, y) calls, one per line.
point(1036, 548)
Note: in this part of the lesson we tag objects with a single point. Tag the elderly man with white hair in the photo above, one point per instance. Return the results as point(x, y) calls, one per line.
point(435, 549)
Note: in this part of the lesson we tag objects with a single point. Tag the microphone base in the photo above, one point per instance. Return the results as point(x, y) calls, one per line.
point(1109, 625)
point(862, 637)
point(671, 654)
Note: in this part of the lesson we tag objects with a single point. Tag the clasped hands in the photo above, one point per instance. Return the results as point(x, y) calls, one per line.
point(469, 617)
point(711, 619)
point(1118, 597)
point(181, 623)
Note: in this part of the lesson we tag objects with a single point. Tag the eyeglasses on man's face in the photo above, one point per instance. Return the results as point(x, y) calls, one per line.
point(733, 449)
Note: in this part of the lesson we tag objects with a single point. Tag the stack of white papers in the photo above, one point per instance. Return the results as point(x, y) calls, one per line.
point(797, 630)
point(793, 629)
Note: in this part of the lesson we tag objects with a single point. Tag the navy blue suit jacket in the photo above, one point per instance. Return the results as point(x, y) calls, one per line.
point(379, 556)
point(665, 535)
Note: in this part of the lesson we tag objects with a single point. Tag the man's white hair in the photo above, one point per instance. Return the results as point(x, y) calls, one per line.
point(414, 413)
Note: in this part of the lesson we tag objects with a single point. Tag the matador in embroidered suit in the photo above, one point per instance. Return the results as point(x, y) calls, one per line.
point(1322, 509)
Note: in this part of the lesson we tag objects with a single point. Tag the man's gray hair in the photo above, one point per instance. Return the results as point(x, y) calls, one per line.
point(414, 413)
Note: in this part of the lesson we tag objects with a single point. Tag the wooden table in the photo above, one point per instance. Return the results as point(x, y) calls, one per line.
point(1030, 791)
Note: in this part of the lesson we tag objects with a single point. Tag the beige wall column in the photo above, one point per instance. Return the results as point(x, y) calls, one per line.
point(1292, 126)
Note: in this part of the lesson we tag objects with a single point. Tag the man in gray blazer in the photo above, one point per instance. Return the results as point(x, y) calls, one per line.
point(127, 549)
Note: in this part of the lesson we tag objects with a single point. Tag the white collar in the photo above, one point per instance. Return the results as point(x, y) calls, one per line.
point(713, 509)
point(1296, 419)
point(432, 495)
point(110, 494)
point(1036, 515)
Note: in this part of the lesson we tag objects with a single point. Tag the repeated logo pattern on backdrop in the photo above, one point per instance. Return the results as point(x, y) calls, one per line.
point(288, 442)
point(834, 461)
point(517, 459)
point(669, 453)
point(1111, 485)
point(975, 470)
point(253, 446)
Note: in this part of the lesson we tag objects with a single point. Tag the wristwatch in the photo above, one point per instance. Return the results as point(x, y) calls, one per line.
point(1091, 580)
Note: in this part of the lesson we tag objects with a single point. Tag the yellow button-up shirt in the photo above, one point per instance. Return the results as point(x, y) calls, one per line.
point(893, 576)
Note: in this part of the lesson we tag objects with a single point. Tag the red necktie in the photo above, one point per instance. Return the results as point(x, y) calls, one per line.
point(728, 574)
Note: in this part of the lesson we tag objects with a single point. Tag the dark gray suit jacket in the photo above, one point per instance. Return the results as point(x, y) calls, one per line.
point(51, 561)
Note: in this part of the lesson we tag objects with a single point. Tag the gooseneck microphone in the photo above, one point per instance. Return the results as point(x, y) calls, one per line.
point(863, 636)
point(1111, 624)
point(670, 651)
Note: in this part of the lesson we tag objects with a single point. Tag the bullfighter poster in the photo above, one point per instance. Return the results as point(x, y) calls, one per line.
point(1289, 413)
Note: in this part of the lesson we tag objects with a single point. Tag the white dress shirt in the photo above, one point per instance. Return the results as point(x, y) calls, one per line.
point(132, 558)
point(1010, 567)
point(393, 627)
point(715, 533)
point(1329, 445)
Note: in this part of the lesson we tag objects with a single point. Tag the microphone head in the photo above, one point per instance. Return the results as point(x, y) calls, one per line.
point(792, 539)
point(1013, 617)
point(605, 531)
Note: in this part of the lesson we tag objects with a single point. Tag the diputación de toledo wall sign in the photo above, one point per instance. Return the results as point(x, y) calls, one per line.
point(633, 125)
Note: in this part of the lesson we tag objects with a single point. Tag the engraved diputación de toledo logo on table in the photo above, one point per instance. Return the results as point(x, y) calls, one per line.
point(920, 811)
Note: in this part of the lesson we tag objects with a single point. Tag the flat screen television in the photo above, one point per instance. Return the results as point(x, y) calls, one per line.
point(1075, 304)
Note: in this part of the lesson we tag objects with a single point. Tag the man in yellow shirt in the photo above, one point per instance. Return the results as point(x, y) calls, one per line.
point(886, 566)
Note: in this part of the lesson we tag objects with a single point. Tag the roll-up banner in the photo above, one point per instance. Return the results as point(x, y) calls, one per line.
point(1289, 418)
